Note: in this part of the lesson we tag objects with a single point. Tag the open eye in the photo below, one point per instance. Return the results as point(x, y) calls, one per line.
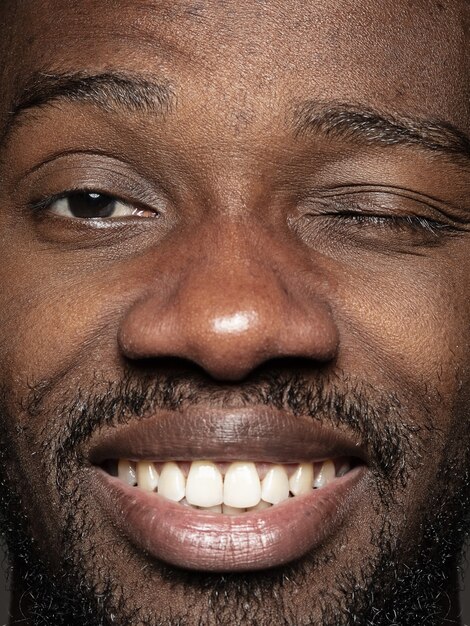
point(94, 205)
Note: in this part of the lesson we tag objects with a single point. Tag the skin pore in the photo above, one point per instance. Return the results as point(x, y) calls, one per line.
point(291, 234)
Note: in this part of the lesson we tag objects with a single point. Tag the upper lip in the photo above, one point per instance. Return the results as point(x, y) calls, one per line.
point(255, 434)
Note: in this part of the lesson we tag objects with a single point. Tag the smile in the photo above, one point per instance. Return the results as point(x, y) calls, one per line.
point(227, 491)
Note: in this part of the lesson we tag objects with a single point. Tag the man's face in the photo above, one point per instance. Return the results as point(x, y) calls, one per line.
point(235, 232)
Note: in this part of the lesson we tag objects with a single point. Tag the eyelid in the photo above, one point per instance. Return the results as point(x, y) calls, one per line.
point(374, 211)
point(360, 229)
point(91, 172)
point(398, 199)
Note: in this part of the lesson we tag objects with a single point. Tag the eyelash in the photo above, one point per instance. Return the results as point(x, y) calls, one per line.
point(397, 222)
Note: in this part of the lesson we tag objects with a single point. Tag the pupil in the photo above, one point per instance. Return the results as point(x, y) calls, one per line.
point(90, 205)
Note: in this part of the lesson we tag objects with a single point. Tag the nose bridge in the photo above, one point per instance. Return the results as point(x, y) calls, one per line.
point(232, 289)
point(233, 307)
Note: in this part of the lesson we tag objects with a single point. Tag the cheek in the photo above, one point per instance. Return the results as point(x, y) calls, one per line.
point(62, 308)
point(410, 331)
point(48, 325)
point(413, 322)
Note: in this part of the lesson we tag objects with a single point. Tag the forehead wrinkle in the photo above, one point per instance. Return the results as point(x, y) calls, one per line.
point(352, 122)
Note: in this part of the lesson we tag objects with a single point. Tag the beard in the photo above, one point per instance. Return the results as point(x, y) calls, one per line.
point(399, 583)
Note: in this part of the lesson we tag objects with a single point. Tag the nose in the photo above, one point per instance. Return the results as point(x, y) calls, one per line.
point(230, 308)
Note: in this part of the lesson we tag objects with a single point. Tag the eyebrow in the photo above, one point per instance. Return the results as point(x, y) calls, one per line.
point(350, 122)
point(131, 92)
point(111, 91)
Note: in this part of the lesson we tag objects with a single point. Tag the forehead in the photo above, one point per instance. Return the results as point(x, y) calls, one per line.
point(248, 56)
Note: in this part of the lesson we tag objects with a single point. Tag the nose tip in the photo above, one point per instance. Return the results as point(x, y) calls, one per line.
point(233, 344)
point(238, 322)
point(237, 343)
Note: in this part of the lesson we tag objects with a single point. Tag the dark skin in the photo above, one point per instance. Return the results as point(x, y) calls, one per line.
point(345, 253)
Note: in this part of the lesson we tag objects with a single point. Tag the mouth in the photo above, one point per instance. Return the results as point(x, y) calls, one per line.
point(227, 491)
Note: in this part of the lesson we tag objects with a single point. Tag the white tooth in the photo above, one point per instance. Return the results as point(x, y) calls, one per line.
point(326, 474)
point(241, 486)
point(147, 476)
point(275, 485)
point(212, 509)
point(260, 506)
point(172, 484)
point(204, 485)
point(301, 480)
point(232, 510)
point(126, 472)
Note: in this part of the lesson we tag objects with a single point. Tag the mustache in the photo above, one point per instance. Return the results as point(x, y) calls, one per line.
point(376, 419)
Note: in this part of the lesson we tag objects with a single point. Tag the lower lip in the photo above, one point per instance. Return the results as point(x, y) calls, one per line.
point(192, 539)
